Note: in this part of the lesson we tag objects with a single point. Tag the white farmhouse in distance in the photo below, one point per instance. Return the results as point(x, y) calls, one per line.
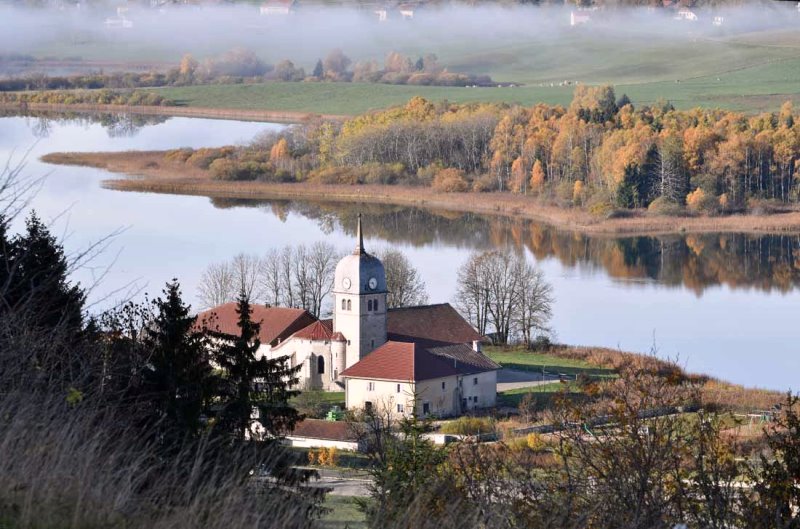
point(393, 359)
point(577, 18)
point(277, 7)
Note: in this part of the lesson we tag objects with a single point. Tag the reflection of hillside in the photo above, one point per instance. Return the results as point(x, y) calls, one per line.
point(118, 125)
point(696, 262)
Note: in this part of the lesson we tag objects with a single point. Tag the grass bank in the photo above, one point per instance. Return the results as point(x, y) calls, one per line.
point(152, 173)
point(605, 363)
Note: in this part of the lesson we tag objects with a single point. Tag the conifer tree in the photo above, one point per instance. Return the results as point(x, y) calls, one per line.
point(318, 69)
point(38, 281)
point(251, 384)
point(178, 379)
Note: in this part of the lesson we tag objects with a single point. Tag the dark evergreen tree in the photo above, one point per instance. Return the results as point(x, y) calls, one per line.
point(253, 384)
point(5, 262)
point(177, 380)
point(318, 69)
point(38, 282)
point(419, 65)
point(624, 100)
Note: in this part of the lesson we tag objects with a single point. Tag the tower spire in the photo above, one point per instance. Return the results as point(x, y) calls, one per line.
point(360, 247)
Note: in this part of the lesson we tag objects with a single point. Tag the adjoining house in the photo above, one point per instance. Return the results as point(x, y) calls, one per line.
point(381, 357)
point(320, 433)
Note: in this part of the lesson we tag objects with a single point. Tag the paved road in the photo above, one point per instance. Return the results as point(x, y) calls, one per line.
point(515, 379)
point(344, 483)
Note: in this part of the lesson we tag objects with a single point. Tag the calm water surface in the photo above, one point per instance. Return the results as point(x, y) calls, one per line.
point(727, 305)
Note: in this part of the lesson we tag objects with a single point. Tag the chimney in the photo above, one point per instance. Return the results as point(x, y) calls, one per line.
point(476, 346)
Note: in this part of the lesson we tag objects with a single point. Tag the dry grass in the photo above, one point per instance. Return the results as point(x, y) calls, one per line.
point(713, 393)
point(159, 176)
point(77, 467)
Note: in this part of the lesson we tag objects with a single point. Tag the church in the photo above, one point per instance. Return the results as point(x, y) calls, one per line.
point(383, 358)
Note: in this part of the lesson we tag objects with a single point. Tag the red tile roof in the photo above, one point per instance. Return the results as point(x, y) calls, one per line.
point(321, 429)
point(317, 331)
point(277, 323)
point(431, 323)
point(401, 361)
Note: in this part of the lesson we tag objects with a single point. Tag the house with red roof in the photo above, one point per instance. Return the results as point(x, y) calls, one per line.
point(425, 360)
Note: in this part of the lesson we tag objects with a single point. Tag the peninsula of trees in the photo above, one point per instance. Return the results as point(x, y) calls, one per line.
point(601, 155)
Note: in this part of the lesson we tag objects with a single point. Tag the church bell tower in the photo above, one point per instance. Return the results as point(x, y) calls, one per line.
point(359, 297)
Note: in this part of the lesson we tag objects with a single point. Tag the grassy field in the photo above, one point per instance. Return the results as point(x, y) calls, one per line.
point(343, 514)
point(749, 72)
point(522, 359)
point(753, 89)
point(542, 395)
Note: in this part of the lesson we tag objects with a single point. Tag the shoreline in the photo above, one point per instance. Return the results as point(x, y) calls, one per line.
point(267, 116)
point(148, 171)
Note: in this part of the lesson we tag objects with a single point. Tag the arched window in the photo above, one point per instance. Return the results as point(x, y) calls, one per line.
point(375, 305)
point(344, 304)
point(349, 305)
point(369, 305)
point(320, 365)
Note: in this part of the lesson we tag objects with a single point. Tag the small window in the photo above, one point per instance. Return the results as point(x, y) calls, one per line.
point(370, 386)
point(375, 305)
point(398, 388)
point(344, 304)
point(367, 406)
point(320, 365)
point(349, 305)
point(475, 381)
point(475, 399)
point(443, 386)
point(400, 408)
point(426, 408)
point(369, 305)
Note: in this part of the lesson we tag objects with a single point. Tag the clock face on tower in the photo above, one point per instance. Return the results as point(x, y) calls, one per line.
point(346, 283)
point(373, 283)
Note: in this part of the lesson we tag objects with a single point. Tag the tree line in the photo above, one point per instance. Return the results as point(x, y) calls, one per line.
point(240, 65)
point(600, 152)
point(301, 277)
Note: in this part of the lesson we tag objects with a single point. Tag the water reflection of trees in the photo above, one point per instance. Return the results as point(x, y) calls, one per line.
point(117, 125)
point(693, 261)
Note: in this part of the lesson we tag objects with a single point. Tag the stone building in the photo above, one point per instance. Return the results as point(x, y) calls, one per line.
point(426, 359)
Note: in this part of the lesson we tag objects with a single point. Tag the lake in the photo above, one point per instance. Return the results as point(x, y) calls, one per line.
point(726, 305)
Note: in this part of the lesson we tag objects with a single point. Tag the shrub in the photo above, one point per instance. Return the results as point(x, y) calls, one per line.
point(702, 202)
point(178, 155)
point(577, 192)
point(378, 173)
point(202, 158)
point(665, 206)
point(425, 175)
point(485, 183)
point(421, 79)
point(336, 175)
point(450, 181)
point(468, 426)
